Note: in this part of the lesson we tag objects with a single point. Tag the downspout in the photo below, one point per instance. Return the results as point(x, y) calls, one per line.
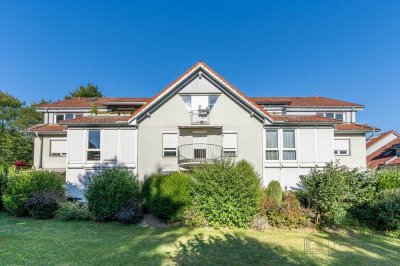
point(40, 151)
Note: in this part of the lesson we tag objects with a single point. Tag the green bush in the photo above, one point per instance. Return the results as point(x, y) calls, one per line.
point(3, 184)
point(287, 214)
point(71, 211)
point(131, 213)
point(387, 210)
point(22, 184)
point(227, 194)
point(333, 190)
point(274, 191)
point(169, 195)
point(42, 205)
point(388, 178)
point(109, 191)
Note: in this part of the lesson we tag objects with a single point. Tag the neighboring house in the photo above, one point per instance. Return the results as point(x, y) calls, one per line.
point(197, 118)
point(384, 150)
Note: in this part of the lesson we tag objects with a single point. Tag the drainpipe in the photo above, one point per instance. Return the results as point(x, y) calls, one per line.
point(40, 151)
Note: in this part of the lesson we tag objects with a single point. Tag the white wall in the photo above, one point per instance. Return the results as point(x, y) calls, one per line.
point(118, 148)
point(314, 148)
point(357, 157)
point(42, 156)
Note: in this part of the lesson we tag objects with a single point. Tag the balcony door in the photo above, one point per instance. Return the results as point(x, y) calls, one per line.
point(200, 146)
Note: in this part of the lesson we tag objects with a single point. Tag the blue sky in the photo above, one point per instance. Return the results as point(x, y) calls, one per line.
point(348, 50)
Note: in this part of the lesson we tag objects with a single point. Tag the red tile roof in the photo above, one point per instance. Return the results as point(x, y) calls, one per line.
point(216, 74)
point(45, 128)
point(382, 156)
point(316, 101)
point(87, 102)
point(355, 127)
point(305, 118)
point(95, 120)
point(380, 137)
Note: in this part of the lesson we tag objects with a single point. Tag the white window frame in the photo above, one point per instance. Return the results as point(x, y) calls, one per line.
point(74, 115)
point(169, 149)
point(230, 149)
point(289, 149)
point(57, 154)
point(337, 152)
point(92, 149)
point(272, 149)
point(334, 115)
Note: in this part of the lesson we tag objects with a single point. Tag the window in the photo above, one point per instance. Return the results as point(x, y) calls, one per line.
point(187, 100)
point(94, 145)
point(342, 147)
point(271, 149)
point(170, 144)
point(211, 101)
point(289, 145)
point(58, 147)
point(338, 116)
point(59, 118)
point(69, 116)
point(229, 144)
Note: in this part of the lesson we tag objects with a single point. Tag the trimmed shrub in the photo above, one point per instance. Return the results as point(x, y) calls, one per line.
point(387, 210)
point(274, 191)
point(388, 178)
point(287, 214)
point(109, 191)
point(131, 213)
point(227, 194)
point(22, 184)
point(169, 195)
point(333, 190)
point(71, 211)
point(42, 205)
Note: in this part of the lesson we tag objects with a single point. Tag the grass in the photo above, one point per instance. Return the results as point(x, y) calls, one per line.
point(24, 241)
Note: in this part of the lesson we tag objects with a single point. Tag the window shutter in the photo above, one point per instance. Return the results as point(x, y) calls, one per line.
point(342, 144)
point(229, 141)
point(170, 140)
point(58, 146)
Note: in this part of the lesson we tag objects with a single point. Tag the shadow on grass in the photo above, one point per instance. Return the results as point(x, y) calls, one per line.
point(235, 249)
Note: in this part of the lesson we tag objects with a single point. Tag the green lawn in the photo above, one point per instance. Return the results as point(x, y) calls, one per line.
point(35, 242)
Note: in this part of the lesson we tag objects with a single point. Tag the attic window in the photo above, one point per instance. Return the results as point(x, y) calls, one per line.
point(398, 152)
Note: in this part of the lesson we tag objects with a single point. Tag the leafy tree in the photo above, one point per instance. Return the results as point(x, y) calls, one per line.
point(90, 91)
point(9, 106)
point(27, 116)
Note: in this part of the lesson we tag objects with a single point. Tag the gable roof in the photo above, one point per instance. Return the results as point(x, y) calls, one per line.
point(191, 70)
point(87, 102)
point(383, 156)
point(381, 136)
point(313, 101)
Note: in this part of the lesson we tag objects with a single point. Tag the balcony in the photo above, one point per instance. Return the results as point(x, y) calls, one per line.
point(190, 155)
point(200, 117)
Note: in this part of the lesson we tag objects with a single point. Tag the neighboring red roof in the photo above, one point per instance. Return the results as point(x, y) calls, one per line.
point(355, 127)
point(382, 156)
point(380, 137)
point(87, 102)
point(45, 128)
point(316, 101)
point(212, 71)
point(95, 120)
point(305, 118)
